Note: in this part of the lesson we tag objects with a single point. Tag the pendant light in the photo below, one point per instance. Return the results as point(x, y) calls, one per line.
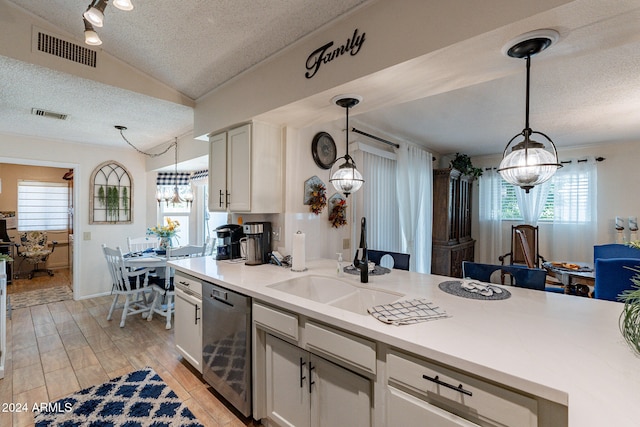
point(346, 179)
point(529, 163)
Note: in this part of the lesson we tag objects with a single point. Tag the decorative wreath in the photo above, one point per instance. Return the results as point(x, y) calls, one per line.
point(338, 215)
point(318, 199)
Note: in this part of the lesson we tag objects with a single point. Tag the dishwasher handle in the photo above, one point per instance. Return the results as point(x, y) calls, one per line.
point(219, 294)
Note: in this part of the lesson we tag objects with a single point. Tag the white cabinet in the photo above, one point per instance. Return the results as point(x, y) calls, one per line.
point(306, 390)
point(245, 169)
point(420, 389)
point(188, 319)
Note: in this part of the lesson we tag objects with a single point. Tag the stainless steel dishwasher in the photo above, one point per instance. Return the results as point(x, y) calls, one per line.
point(226, 344)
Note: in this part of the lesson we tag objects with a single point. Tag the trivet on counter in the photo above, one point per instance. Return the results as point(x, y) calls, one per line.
point(474, 290)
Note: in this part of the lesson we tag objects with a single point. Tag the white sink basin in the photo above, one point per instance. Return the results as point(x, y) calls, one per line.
point(336, 293)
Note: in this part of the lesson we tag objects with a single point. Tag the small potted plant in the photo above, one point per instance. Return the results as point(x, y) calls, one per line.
point(630, 316)
point(462, 162)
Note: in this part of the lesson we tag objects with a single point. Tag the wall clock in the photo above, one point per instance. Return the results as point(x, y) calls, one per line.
point(323, 149)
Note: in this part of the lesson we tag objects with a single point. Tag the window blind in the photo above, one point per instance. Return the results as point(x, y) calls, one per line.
point(42, 206)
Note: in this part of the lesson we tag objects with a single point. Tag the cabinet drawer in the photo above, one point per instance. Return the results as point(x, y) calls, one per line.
point(188, 282)
point(346, 348)
point(485, 403)
point(275, 320)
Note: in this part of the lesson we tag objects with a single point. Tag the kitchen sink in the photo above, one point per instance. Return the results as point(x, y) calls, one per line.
point(336, 293)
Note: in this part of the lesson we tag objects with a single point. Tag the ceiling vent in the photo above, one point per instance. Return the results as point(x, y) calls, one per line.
point(64, 49)
point(51, 114)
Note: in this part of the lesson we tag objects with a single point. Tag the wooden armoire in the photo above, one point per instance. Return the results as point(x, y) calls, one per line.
point(452, 242)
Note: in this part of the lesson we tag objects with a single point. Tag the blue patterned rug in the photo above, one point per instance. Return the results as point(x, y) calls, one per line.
point(137, 399)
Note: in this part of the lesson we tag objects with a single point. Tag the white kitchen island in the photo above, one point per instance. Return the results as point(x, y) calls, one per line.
point(563, 349)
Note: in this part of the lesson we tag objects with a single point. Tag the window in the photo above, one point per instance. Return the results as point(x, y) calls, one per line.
point(43, 206)
point(569, 200)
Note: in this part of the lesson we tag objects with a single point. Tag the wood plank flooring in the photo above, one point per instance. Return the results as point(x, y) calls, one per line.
point(59, 348)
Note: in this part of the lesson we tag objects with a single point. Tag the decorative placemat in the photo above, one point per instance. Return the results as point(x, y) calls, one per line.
point(377, 270)
point(455, 287)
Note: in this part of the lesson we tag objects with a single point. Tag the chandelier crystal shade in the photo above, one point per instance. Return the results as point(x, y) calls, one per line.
point(346, 179)
point(529, 163)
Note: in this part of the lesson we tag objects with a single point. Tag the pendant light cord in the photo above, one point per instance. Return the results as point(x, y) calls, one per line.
point(526, 119)
point(174, 143)
point(347, 134)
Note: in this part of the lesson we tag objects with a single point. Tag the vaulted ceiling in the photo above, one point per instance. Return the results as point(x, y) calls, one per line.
point(585, 88)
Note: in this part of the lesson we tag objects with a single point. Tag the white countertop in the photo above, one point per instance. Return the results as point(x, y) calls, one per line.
point(564, 348)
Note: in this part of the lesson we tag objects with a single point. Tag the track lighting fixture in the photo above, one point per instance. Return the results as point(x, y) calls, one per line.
point(94, 17)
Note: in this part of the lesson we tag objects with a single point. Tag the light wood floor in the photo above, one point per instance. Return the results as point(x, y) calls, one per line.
point(59, 348)
point(61, 277)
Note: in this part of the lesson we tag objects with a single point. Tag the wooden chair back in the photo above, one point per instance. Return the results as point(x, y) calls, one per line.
point(524, 247)
point(139, 244)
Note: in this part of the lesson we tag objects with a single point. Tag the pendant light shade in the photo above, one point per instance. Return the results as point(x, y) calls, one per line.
point(529, 163)
point(346, 179)
point(95, 13)
point(123, 4)
point(90, 36)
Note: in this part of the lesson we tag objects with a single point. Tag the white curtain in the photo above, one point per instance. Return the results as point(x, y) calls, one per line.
point(531, 204)
point(414, 189)
point(575, 211)
point(489, 243)
point(379, 201)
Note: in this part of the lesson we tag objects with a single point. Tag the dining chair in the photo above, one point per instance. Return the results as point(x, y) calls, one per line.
point(613, 276)
point(33, 248)
point(163, 289)
point(400, 260)
point(524, 277)
point(132, 283)
point(140, 244)
point(614, 250)
point(524, 237)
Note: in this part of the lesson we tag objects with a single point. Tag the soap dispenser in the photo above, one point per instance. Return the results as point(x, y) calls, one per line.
point(340, 269)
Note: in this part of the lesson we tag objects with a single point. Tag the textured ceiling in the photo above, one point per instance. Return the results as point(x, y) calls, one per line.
point(585, 88)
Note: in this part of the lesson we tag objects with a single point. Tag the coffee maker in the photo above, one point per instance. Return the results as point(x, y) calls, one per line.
point(258, 242)
point(228, 245)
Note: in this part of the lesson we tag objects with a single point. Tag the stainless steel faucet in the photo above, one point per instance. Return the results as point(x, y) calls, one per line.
point(363, 262)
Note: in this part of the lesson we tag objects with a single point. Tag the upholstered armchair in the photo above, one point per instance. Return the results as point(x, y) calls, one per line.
point(34, 249)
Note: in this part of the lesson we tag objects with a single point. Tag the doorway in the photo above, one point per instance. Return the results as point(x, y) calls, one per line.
point(55, 217)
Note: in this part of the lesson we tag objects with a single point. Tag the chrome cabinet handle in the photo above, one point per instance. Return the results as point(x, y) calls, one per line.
point(447, 385)
point(302, 377)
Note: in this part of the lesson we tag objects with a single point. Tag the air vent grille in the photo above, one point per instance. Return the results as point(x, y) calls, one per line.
point(51, 114)
point(67, 50)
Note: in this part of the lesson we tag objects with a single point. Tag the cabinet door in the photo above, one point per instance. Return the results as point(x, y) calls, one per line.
point(339, 397)
point(218, 172)
point(239, 168)
point(406, 410)
point(287, 384)
point(188, 328)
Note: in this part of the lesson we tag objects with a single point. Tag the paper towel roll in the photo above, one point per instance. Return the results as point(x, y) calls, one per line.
point(298, 253)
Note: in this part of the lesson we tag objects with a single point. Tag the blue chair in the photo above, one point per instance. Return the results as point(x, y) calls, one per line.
point(400, 260)
point(530, 278)
point(614, 250)
point(613, 276)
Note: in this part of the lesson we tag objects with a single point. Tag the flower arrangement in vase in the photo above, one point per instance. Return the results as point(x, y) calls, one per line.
point(165, 232)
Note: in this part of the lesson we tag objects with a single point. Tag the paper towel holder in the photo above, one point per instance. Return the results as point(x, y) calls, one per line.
point(297, 270)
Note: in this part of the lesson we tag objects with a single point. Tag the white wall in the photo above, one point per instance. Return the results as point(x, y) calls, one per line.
point(90, 273)
point(322, 240)
point(618, 180)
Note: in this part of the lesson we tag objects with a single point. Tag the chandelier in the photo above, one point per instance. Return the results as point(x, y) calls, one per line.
point(94, 17)
point(346, 178)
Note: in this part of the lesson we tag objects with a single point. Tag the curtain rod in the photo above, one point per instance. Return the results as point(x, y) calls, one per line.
point(375, 137)
point(598, 159)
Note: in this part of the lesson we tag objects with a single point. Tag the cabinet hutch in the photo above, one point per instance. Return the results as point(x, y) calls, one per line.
point(451, 234)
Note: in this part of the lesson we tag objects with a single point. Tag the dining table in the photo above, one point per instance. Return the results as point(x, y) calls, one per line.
point(150, 258)
point(577, 278)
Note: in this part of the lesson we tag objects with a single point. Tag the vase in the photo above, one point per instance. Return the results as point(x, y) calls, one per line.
point(165, 242)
